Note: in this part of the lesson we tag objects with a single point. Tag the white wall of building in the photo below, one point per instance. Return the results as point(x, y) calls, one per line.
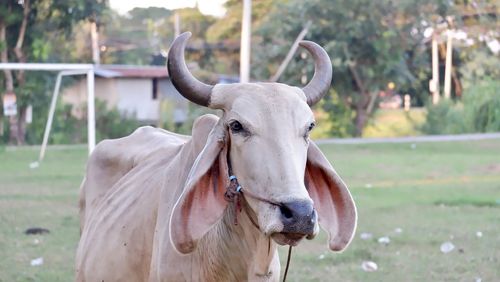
point(136, 98)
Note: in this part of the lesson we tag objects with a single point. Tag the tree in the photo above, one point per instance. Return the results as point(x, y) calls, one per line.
point(134, 38)
point(26, 28)
point(371, 43)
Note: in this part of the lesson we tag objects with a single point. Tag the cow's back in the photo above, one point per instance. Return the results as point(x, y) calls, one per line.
point(114, 158)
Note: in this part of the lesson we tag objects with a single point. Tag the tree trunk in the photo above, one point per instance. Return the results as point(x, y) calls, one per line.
point(21, 126)
point(456, 83)
point(362, 103)
point(18, 122)
point(360, 120)
point(9, 80)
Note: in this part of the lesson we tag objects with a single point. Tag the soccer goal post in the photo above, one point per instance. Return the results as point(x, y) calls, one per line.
point(63, 70)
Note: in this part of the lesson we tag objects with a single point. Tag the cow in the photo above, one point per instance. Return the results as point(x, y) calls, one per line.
point(214, 206)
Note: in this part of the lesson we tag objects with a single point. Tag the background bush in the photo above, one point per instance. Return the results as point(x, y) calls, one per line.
point(67, 129)
point(479, 111)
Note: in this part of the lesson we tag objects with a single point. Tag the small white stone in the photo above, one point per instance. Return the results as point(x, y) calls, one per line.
point(365, 236)
point(447, 247)
point(37, 261)
point(321, 257)
point(384, 240)
point(36, 241)
point(398, 230)
point(368, 185)
point(478, 279)
point(479, 234)
point(369, 266)
point(34, 165)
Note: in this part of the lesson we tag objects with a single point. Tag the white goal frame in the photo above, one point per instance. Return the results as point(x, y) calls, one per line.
point(63, 70)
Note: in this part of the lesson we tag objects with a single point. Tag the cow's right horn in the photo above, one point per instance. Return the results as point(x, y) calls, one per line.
point(322, 78)
point(191, 88)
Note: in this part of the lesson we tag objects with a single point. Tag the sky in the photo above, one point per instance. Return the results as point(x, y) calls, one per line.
point(208, 7)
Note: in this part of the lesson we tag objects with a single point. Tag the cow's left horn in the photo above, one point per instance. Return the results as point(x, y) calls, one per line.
point(320, 82)
point(191, 88)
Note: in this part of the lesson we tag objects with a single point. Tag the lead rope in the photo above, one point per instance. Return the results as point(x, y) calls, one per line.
point(233, 194)
point(287, 263)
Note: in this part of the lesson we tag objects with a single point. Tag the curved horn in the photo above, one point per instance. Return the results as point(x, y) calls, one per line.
point(320, 82)
point(191, 88)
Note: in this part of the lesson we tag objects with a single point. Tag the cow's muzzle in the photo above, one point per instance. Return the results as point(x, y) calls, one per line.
point(299, 220)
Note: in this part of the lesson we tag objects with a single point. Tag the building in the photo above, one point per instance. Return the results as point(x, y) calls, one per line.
point(135, 91)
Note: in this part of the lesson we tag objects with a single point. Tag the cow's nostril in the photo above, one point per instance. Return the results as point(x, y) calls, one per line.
point(298, 217)
point(286, 212)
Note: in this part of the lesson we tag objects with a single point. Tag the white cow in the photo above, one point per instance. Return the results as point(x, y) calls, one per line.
point(153, 204)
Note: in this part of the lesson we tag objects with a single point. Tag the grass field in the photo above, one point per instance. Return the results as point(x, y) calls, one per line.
point(433, 192)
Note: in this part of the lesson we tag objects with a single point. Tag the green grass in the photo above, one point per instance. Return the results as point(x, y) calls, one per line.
point(44, 197)
point(435, 192)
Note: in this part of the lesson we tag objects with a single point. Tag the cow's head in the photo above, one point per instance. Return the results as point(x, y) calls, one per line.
point(264, 129)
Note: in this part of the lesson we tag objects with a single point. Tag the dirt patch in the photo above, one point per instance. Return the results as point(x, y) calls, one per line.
point(489, 169)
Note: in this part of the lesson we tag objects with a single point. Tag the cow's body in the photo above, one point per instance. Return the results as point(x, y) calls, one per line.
point(123, 223)
point(153, 204)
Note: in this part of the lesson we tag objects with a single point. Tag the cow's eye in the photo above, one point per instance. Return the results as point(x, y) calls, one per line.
point(236, 126)
point(311, 126)
point(308, 130)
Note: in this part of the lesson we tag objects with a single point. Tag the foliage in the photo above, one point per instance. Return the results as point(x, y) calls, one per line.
point(478, 112)
point(111, 124)
point(66, 129)
point(38, 31)
point(395, 123)
point(229, 27)
point(480, 65)
point(482, 106)
point(133, 38)
point(143, 36)
point(193, 112)
point(36, 93)
point(333, 117)
point(50, 25)
point(444, 118)
point(370, 43)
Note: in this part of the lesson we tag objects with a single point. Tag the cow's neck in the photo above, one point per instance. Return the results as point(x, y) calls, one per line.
point(244, 253)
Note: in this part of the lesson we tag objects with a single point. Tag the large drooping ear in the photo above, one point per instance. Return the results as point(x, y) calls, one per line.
point(202, 202)
point(332, 200)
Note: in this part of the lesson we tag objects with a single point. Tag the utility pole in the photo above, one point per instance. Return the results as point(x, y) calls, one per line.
point(434, 87)
point(177, 25)
point(95, 43)
point(246, 33)
point(447, 71)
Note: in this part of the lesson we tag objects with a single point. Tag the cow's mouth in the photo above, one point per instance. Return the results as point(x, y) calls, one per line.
point(286, 238)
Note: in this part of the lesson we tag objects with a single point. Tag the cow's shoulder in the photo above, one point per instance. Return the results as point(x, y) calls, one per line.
point(114, 158)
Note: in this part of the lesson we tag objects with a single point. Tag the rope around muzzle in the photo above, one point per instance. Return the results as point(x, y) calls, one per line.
point(234, 194)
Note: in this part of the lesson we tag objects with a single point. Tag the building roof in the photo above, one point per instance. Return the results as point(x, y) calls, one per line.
point(130, 71)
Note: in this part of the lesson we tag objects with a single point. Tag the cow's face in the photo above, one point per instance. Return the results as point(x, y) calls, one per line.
point(268, 126)
point(265, 131)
